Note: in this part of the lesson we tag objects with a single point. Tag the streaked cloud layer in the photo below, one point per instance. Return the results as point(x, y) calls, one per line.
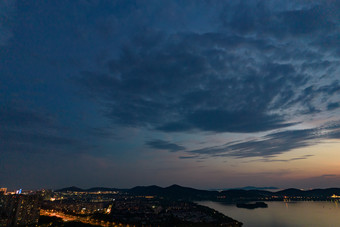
point(207, 81)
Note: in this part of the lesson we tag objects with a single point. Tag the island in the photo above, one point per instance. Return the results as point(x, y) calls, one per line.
point(252, 205)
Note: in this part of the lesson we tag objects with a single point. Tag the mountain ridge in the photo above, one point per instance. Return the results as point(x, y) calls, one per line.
point(179, 192)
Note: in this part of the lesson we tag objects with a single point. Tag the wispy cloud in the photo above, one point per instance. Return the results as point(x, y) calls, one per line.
point(284, 160)
point(164, 145)
point(273, 144)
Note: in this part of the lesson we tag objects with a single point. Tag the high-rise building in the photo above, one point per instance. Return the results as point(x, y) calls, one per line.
point(21, 210)
point(3, 209)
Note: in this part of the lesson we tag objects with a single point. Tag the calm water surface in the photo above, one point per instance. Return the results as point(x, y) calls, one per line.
point(282, 214)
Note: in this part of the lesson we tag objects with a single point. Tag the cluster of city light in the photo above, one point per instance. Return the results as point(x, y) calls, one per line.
point(335, 196)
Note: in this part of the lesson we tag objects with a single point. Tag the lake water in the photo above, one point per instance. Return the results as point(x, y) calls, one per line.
point(283, 214)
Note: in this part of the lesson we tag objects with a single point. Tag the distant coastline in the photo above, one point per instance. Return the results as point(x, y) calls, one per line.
point(230, 195)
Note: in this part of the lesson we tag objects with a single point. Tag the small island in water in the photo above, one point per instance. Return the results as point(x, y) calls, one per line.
point(252, 205)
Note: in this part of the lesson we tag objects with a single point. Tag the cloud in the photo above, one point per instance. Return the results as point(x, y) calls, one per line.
point(255, 71)
point(264, 67)
point(224, 121)
point(333, 106)
point(280, 19)
point(284, 160)
point(273, 144)
point(183, 83)
point(190, 157)
point(164, 145)
point(242, 121)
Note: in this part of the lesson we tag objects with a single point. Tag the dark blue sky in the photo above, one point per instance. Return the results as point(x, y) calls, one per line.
point(201, 93)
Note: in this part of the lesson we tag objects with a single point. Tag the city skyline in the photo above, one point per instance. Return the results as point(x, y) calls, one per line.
point(204, 94)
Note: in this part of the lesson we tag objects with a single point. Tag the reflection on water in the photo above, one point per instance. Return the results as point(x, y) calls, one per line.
point(283, 214)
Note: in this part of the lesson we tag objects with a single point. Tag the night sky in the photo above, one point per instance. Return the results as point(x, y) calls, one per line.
point(206, 94)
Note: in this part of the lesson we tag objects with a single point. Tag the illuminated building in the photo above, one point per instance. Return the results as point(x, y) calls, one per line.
point(3, 209)
point(46, 194)
point(3, 190)
point(20, 210)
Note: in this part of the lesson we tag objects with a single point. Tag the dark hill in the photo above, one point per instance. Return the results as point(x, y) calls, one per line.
point(71, 189)
point(102, 189)
point(244, 194)
point(323, 192)
point(173, 192)
point(291, 192)
point(146, 190)
point(179, 192)
point(187, 193)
